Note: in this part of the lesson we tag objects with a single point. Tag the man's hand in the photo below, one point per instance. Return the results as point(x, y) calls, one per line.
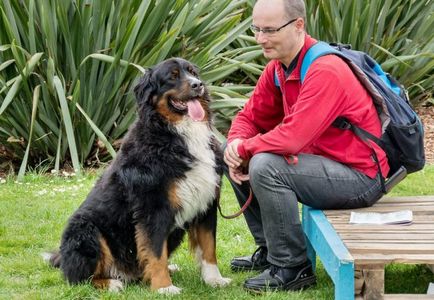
point(237, 175)
point(231, 157)
point(237, 166)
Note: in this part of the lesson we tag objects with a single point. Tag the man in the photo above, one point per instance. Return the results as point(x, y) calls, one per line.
point(283, 147)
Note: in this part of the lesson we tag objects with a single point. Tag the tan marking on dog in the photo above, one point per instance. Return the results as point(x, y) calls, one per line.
point(185, 88)
point(164, 110)
point(174, 199)
point(143, 248)
point(113, 285)
point(102, 278)
point(155, 268)
point(203, 238)
point(105, 262)
point(101, 283)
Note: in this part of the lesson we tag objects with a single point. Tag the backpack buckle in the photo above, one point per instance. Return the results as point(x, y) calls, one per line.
point(342, 123)
point(341, 46)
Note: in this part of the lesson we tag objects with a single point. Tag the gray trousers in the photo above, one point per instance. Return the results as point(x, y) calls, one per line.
point(273, 215)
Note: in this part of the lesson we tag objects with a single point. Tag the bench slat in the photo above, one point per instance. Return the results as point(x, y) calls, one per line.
point(408, 199)
point(357, 247)
point(429, 208)
point(388, 243)
point(379, 258)
point(420, 219)
point(429, 227)
point(395, 236)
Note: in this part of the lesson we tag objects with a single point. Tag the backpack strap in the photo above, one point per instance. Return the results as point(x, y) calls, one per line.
point(344, 124)
point(317, 50)
point(276, 79)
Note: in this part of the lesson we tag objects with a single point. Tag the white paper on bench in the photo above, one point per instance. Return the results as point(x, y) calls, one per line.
point(430, 289)
point(403, 217)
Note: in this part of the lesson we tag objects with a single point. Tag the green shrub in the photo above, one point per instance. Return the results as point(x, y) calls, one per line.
point(67, 68)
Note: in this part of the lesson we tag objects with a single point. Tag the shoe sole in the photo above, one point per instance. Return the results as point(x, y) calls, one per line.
point(295, 285)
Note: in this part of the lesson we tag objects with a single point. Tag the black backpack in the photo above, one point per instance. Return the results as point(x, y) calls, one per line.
point(402, 130)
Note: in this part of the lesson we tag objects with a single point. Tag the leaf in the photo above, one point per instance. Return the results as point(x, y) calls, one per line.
point(98, 132)
point(11, 94)
point(6, 64)
point(35, 100)
point(68, 124)
point(111, 59)
point(4, 47)
point(174, 32)
point(33, 61)
point(17, 84)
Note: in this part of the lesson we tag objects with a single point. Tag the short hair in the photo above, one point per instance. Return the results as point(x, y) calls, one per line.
point(295, 9)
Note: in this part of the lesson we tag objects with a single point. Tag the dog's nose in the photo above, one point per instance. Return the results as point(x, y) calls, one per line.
point(196, 84)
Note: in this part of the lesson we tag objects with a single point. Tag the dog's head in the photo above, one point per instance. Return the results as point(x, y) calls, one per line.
point(174, 89)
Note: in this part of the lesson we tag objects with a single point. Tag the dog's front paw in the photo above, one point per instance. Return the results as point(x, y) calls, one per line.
point(115, 285)
point(170, 290)
point(217, 281)
point(173, 268)
point(211, 275)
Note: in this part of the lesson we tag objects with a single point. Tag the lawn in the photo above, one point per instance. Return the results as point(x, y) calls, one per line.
point(33, 214)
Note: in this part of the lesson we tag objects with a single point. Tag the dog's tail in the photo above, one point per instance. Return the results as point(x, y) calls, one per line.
point(52, 258)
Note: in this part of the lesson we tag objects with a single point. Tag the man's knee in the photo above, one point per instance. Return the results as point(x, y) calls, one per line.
point(260, 165)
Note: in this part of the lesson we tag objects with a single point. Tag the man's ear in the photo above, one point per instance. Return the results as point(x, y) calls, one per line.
point(145, 89)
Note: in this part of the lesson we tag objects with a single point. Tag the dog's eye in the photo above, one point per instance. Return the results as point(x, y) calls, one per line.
point(175, 74)
point(192, 71)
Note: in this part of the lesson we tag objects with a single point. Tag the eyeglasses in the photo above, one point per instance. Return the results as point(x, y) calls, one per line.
point(269, 31)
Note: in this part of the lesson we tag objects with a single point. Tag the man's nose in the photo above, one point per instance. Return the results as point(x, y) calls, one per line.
point(260, 37)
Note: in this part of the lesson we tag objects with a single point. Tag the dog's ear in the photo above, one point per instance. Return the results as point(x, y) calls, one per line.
point(146, 87)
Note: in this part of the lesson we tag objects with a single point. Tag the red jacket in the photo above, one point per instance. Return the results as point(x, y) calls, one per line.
point(297, 118)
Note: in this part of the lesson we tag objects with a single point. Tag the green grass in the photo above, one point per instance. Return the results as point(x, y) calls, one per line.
point(33, 214)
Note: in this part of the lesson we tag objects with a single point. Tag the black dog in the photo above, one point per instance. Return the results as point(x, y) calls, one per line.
point(164, 181)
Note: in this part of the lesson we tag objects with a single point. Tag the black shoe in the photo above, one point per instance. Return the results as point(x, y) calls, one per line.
point(277, 278)
point(256, 262)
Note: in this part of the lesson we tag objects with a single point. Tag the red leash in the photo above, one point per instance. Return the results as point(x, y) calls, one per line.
point(291, 159)
point(240, 211)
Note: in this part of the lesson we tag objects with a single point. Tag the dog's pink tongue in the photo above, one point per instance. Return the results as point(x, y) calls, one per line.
point(195, 110)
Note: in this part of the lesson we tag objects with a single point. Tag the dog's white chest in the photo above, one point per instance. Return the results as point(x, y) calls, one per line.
point(198, 189)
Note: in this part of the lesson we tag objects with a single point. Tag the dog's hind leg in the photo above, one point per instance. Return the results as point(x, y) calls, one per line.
point(101, 278)
point(153, 254)
point(85, 255)
point(202, 237)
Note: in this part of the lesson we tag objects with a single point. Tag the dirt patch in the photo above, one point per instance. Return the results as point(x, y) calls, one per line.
point(427, 116)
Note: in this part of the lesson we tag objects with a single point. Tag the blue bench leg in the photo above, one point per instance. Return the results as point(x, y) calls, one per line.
point(311, 254)
point(323, 240)
point(344, 283)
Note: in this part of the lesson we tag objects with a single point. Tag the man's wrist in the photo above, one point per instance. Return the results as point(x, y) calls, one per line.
point(240, 150)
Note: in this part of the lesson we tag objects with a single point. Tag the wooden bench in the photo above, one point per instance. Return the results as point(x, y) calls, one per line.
point(363, 250)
